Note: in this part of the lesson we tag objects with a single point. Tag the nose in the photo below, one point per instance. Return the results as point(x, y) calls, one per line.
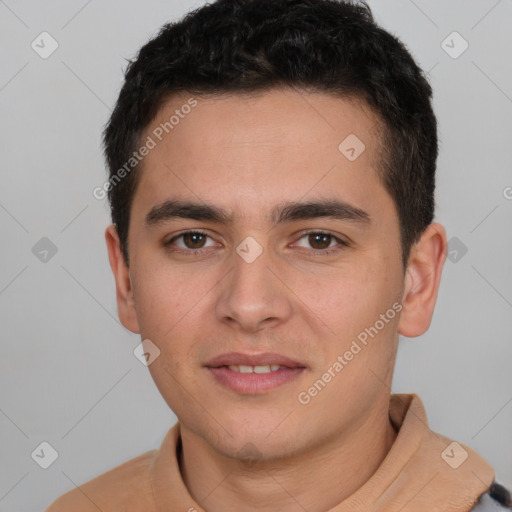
point(253, 296)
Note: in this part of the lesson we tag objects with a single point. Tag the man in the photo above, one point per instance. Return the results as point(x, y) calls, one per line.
point(272, 174)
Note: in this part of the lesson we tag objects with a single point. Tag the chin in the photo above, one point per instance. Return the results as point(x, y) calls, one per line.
point(253, 441)
point(259, 450)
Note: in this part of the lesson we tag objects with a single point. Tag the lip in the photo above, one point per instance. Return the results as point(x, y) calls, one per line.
point(253, 383)
point(239, 358)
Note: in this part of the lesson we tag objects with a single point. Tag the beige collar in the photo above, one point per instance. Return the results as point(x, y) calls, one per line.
point(423, 471)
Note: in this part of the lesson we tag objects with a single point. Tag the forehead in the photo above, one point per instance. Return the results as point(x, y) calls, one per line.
point(247, 153)
point(273, 118)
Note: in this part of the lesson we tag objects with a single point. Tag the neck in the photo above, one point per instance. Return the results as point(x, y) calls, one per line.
point(314, 480)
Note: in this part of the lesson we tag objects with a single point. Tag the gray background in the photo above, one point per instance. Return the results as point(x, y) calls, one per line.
point(68, 373)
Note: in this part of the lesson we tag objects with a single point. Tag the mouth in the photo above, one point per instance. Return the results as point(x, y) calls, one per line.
point(255, 369)
point(253, 373)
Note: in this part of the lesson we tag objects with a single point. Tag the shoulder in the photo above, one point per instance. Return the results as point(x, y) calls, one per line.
point(495, 499)
point(121, 488)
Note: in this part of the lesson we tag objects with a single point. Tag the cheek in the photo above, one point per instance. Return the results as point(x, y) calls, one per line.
point(166, 298)
point(171, 310)
point(361, 306)
point(341, 300)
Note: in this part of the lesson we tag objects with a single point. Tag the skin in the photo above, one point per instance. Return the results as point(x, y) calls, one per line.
point(248, 154)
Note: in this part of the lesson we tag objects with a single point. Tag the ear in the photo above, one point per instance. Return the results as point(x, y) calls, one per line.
point(125, 303)
point(422, 279)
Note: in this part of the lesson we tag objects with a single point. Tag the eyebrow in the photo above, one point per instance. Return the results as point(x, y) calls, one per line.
point(286, 212)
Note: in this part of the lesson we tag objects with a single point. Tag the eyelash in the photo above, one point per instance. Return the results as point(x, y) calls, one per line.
point(318, 252)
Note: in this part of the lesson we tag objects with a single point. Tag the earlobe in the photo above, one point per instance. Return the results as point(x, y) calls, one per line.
point(124, 292)
point(422, 280)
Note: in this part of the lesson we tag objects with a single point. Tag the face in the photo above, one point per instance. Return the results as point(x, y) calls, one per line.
point(320, 288)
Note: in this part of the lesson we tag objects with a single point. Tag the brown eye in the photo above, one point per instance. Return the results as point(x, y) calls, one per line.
point(193, 240)
point(319, 240)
